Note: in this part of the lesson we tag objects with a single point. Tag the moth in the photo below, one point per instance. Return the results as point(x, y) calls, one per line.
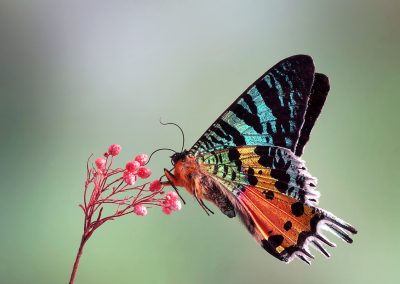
point(248, 163)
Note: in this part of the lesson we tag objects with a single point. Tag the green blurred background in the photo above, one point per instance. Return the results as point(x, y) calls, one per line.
point(76, 76)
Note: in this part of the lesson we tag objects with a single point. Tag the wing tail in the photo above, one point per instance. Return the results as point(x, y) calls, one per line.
point(286, 227)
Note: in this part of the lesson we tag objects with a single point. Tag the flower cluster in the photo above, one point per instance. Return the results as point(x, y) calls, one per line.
point(108, 184)
point(114, 189)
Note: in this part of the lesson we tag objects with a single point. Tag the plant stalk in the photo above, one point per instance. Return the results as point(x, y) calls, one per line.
point(78, 257)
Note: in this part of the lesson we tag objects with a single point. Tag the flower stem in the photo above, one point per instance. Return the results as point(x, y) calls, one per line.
point(78, 257)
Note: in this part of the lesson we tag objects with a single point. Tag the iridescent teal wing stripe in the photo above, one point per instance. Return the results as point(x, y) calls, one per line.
point(269, 113)
point(319, 92)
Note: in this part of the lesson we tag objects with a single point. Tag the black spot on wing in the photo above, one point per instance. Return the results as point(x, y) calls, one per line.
point(297, 209)
point(283, 179)
point(269, 194)
point(234, 156)
point(251, 178)
point(287, 226)
point(276, 240)
point(266, 159)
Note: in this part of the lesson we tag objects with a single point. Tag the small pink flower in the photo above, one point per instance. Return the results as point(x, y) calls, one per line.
point(176, 205)
point(114, 149)
point(142, 159)
point(140, 210)
point(144, 172)
point(129, 177)
point(166, 210)
point(100, 163)
point(171, 203)
point(132, 166)
point(155, 186)
point(172, 196)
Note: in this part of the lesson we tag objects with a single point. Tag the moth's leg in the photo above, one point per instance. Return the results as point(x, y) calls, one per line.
point(202, 202)
point(205, 208)
point(171, 181)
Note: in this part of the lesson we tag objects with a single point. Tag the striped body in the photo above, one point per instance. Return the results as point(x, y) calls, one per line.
point(248, 162)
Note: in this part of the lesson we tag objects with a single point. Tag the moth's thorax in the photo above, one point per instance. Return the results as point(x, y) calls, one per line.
point(188, 174)
point(184, 171)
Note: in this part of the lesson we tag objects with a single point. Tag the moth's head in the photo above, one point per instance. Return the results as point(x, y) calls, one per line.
point(179, 156)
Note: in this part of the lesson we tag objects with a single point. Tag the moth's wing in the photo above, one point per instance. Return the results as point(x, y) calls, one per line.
point(272, 191)
point(319, 92)
point(269, 113)
point(272, 169)
point(285, 227)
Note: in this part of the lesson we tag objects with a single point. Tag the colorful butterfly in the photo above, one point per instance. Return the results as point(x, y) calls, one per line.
point(248, 162)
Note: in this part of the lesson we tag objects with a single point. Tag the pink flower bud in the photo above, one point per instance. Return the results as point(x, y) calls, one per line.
point(114, 149)
point(171, 203)
point(166, 210)
point(140, 210)
point(172, 196)
point(176, 205)
point(132, 166)
point(144, 172)
point(129, 177)
point(142, 159)
point(100, 163)
point(155, 186)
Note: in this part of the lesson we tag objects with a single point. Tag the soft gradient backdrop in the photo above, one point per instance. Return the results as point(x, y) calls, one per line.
point(76, 76)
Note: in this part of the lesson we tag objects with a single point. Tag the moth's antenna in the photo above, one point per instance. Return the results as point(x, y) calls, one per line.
point(161, 149)
point(183, 134)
